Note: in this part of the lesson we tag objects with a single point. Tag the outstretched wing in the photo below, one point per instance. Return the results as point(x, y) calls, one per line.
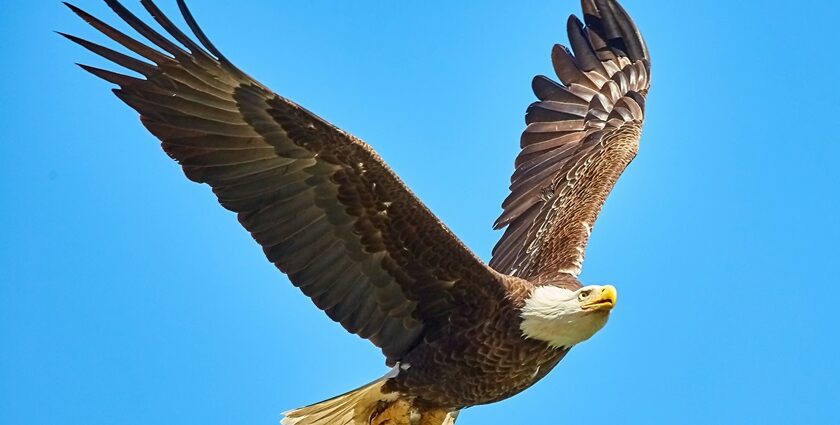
point(581, 135)
point(323, 205)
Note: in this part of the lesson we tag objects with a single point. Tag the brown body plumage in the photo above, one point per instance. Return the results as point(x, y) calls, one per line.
point(330, 213)
point(480, 357)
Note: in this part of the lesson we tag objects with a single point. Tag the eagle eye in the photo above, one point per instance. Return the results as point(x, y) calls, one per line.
point(584, 294)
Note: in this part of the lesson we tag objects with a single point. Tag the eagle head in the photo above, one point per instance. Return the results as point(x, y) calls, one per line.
point(563, 317)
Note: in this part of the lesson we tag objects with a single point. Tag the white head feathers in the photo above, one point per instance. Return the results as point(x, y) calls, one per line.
point(555, 315)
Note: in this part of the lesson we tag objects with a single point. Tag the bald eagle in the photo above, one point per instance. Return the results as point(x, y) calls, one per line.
point(330, 214)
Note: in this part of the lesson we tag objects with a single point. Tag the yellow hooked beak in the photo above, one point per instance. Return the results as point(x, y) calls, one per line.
point(603, 300)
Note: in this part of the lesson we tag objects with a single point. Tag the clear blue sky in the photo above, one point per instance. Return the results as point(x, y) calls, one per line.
point(127, 296)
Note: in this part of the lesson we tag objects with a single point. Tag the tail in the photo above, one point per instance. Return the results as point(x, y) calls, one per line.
point(353, 408)
point(366, 405)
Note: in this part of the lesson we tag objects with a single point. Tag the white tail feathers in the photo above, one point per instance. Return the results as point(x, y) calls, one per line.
point(450, 418)
point(366, 404)
point(353, 408)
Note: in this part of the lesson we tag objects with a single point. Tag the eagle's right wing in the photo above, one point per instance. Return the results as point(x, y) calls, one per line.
point(323, 205)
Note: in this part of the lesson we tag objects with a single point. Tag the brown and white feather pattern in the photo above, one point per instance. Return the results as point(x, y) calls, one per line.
point(328, 211)
point(322, 204)
point(580, 137)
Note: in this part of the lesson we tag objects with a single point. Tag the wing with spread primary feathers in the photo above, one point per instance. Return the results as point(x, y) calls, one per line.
point(323, 205)
point(580, 137)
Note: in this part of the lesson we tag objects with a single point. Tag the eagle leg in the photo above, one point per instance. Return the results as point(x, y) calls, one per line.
point(397, 412)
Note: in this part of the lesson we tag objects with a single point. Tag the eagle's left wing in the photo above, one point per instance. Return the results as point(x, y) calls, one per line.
point(581, 135)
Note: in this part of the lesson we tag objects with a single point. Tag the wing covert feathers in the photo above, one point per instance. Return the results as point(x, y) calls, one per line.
point(580, 136)
point(322, 204)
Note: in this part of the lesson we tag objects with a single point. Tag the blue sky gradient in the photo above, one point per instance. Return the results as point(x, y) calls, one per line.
point(128, 296)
